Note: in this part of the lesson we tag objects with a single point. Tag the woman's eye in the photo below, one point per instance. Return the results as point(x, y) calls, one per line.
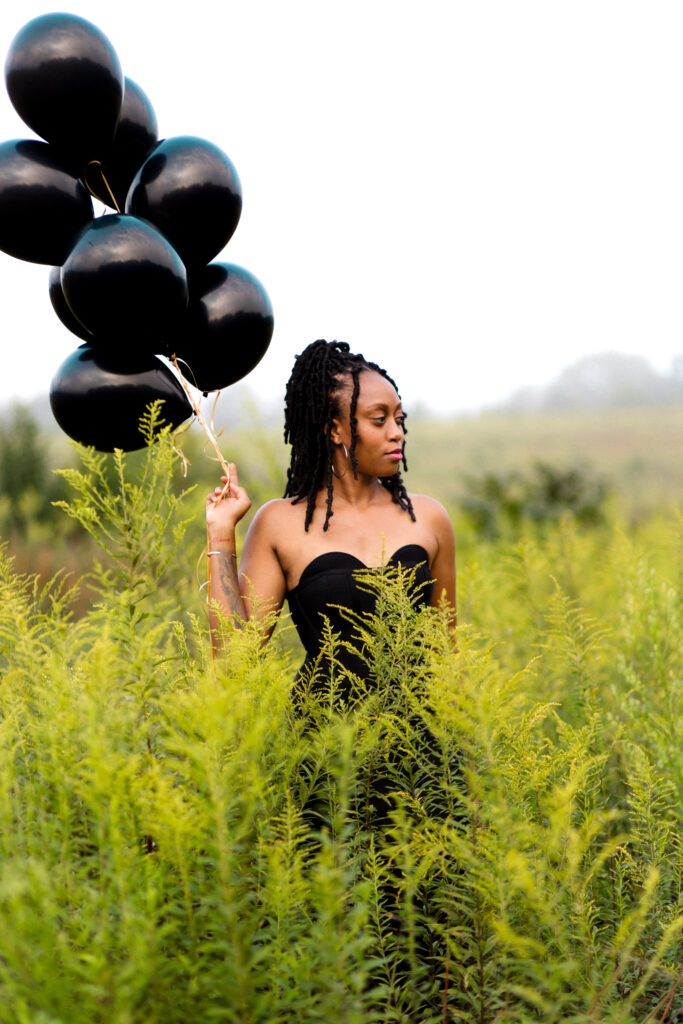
point(378, 419)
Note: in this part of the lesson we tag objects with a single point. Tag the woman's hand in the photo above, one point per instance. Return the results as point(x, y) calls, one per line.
point(225, 507)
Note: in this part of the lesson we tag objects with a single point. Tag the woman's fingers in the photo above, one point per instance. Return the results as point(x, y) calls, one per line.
point(230, 483)
point(226, 491)
point(229, 503)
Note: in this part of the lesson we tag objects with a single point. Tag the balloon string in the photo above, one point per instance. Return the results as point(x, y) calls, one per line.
point(187, 366)
point(213, 415)
point(185, 462)
point(98, 164)
point(226, 469)
point(202, 423)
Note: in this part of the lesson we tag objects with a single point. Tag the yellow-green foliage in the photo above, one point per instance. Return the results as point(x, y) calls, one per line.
point(487, 833)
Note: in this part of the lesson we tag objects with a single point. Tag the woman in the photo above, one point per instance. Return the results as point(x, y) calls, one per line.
point(345, 507)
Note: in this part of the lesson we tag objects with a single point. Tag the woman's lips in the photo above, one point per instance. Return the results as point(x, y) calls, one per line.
point(395, 455)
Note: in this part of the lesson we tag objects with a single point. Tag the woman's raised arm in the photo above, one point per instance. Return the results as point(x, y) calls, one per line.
point(261, 589)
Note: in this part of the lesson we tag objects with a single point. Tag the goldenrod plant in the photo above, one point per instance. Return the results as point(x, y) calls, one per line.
point(489, 831)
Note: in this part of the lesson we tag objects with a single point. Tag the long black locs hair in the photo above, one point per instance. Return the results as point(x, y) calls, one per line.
point(319, 375)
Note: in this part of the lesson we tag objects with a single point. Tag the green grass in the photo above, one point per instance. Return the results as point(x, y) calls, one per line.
point(637, 450)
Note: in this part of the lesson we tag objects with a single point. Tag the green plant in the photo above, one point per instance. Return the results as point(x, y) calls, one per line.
point(498, 503)
point(489, 833)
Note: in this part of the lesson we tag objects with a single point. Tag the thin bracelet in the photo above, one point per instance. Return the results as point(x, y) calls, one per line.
point(233, 553)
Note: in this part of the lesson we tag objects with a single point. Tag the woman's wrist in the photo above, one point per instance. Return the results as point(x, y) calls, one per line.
point(221, 542)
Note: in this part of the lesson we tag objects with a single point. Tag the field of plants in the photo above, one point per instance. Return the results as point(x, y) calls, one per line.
point(490, 833)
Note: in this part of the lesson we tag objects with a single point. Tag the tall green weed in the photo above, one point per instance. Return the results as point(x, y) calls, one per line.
point(489, 832)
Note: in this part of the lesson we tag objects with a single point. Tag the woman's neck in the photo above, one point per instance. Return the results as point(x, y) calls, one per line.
point(355, 492)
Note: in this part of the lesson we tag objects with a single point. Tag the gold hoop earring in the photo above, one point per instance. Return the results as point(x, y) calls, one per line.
point(346, 463)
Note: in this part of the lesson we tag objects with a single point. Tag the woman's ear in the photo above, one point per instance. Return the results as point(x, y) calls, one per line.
point(336, 432)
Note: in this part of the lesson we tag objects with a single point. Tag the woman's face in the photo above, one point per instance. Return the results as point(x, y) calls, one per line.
point(379, 425)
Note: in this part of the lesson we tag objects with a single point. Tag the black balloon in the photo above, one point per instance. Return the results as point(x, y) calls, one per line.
point(66, 82)
point(125, 284)
point(42, 207)
point(61, 308)
point(228, 326)
point(135, 137)
point(100, 403)
point(190, 190)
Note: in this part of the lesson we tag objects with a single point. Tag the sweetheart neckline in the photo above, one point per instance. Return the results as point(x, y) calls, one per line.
point(361, 563)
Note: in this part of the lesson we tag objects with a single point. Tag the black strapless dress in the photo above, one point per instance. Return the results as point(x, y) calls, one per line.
point(329, 583)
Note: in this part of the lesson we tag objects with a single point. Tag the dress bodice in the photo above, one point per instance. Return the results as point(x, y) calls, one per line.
point(329, 582)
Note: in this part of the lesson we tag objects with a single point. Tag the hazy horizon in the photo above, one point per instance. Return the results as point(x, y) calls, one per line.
point(473, 196)
point(595, 370)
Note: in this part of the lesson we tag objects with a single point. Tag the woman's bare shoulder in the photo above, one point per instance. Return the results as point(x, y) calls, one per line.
point(273, 523)
point(429, 508)
point(275, 515)
point(432, 515)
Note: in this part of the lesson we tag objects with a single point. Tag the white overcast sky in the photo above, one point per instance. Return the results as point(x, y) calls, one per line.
point(473, 194)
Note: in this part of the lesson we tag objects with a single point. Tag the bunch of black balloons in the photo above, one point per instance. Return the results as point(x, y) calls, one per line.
point(137, 283)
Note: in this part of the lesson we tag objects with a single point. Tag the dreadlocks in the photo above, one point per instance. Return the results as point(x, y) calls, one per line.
point(311, 405)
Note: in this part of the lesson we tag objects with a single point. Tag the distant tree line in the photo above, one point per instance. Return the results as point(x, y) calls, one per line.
point(610, 380)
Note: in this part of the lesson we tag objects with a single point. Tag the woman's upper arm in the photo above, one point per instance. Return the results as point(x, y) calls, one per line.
point(262, 581)
point(443, 566)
